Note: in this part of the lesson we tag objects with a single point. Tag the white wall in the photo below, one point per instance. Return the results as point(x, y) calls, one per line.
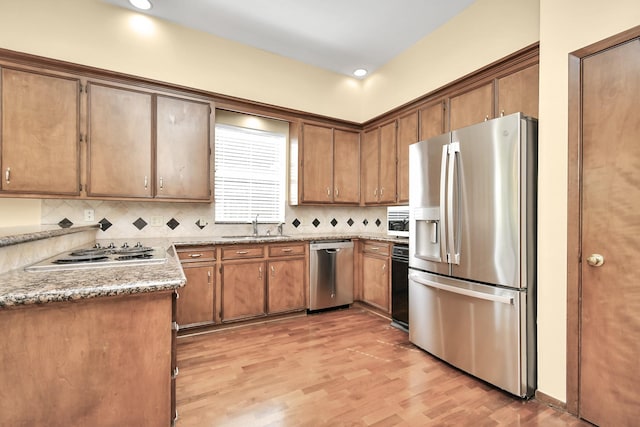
point(16, 212)
point(565, 26)
point(481, 34)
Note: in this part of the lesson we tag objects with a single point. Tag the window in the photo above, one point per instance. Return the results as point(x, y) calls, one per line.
point(250, 174)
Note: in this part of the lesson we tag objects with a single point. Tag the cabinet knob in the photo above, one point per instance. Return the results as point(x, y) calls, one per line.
point(381, 191)
point(273, 271)
point(195, 255)
point(486, 117)
point(161, 183)
point(7, 176)
point(260, 272)
point(328, 191)
point(501, 113)
point(146, 182)
point(337, 192)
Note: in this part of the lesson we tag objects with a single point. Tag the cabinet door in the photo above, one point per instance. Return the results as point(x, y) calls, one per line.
point(471, 107)
point(432, 121)
point(375, 282)
point(286, 286)
point(120, 129)
point(388, 158)
point(40, 133)
point(369, 165)
point(196, 302)
point(346, 173)
point(519, 92)
point(317, 164)
point(407, 135)
point(183, 153)
point(243, 290)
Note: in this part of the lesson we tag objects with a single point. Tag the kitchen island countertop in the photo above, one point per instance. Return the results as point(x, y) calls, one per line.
point(19, 287)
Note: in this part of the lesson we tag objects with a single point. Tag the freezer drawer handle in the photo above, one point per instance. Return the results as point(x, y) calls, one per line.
point(461, 291)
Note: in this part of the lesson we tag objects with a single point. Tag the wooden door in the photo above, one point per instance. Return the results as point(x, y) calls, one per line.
point(346, 166)
point(120, 142)
point(370, 153)
point(610, 315)
point(286, 286)
point(243, 290)
point(317, 164)
point(375, 281)
point(519, 92)
point(471, 107)
point(196, 302)
point(183, 149)
point(40, 133)
point(388, 158)
point(407, 135)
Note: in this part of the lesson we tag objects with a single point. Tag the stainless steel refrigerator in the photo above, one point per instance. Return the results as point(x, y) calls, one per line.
point(472, 250)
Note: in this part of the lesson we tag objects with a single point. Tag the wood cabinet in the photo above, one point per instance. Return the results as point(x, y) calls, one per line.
point(432, 120)
point(519, 92)
point(119, 142)
point(196, 304)
point(183, 150)
point(471, 107)
point(407, 135)
point(376, 285)
point(330, 159)
point(287, 282)
point(40, 137)
point(378, 164)
point(263, 280)
point(91, 362)
point(145, 145)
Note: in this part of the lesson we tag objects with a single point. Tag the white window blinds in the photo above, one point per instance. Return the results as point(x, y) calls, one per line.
point(250, 175)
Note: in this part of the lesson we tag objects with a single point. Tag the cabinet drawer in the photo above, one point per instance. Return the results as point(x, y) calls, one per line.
point(194, 254)
point(241, 252)
point(286, 250)
point(379, 248)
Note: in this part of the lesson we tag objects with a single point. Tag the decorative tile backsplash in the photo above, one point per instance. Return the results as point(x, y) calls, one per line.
point(125, 220)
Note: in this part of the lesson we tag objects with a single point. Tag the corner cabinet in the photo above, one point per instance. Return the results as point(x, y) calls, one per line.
point(146, 145)
point(40, 133)
point(327, 165)
point(378, 164)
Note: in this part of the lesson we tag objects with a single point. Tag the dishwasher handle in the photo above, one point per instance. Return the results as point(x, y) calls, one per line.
point(333, 250)
point(329, 244)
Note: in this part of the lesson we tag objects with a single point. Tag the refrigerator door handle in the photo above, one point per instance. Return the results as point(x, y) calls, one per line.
point(461, 291)
point(453, 253)
point(444, 253)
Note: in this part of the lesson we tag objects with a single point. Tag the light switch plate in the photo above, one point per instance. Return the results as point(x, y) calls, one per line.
point(89, 215)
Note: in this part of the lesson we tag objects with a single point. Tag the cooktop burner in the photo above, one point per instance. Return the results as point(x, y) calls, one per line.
point(99, 256)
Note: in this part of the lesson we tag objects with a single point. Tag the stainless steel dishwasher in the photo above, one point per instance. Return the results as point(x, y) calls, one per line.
point(330, 274)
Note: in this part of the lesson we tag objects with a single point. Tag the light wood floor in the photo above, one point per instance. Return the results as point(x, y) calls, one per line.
point(339, 368)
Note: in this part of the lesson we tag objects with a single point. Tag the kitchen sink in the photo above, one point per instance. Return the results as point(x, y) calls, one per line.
point(257, 237)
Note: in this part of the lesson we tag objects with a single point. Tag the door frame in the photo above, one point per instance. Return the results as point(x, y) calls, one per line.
point(574, 211)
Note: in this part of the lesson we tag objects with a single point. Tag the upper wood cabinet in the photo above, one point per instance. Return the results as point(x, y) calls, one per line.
point(432, 120)
point(471, 107)
point(183, 148)
point(378, 163)
point(519, 92)
point(407, 135)
point(40, 133)
point(144, 145)
point(119, 142)
point(330, 159)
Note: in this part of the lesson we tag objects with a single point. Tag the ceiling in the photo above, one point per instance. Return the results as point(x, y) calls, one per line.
point(337, 35)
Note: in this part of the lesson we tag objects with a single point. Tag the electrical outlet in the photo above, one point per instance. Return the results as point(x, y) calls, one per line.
point(157, 221)
point(203, 222)
point(89, 215)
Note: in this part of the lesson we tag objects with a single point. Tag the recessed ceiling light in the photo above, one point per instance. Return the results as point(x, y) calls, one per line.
point(141, 4)
point(360, 72)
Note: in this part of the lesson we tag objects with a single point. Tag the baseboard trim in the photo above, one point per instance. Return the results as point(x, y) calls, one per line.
point(551, 401)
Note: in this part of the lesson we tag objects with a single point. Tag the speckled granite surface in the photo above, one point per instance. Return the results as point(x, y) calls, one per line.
point(15, 235)
point(293, 238)
point(19, 287)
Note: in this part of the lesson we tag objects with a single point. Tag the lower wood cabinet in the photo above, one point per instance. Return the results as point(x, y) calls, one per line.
point(196, 303)
point(243, 290)
point(376, 285)
point(263, 280)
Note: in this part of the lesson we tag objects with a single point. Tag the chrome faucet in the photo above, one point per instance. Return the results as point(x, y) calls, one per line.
point(255, 225)
point(280, 228)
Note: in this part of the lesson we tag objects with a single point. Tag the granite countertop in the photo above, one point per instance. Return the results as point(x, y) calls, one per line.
point(19, 287)
point(213, 240)
point(15, 235)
